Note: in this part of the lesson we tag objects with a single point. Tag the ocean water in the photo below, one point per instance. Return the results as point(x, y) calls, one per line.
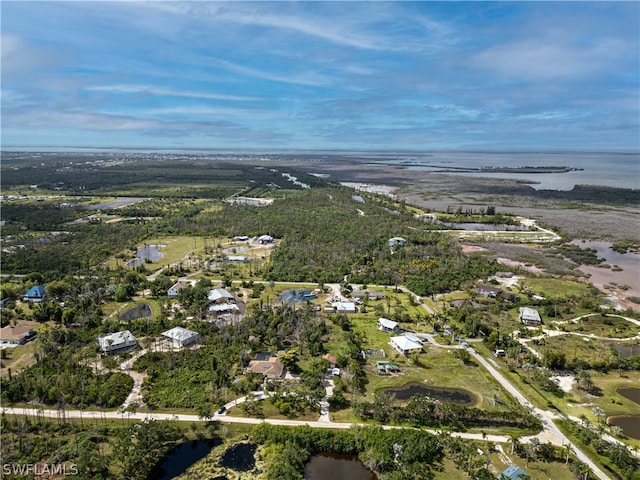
point(620, 170)
point(613, 169)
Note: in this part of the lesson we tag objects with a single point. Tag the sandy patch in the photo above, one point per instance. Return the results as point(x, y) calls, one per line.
point(473, 249)
point(565, 382)
point(524, 266)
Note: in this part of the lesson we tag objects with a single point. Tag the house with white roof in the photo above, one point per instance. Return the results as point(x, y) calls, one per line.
point(397, 242)
point(529, 316)
point(405, 345)
point(220, 295)
point(117, 342)
point(181, 337)
point(264, 239)
point(386, 325)
point(341, 307)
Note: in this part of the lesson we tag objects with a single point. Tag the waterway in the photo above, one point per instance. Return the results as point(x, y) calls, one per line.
point(337, 467)
point(179, 459)
point(629, 263)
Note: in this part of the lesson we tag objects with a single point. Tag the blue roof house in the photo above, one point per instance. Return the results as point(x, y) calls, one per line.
point(34, 294)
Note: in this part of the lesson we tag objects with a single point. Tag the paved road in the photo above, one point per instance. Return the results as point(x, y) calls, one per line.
point(551, 432)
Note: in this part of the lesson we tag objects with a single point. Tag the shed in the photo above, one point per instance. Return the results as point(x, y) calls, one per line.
point(397, 242)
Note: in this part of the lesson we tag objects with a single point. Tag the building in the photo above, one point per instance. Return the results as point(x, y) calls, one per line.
point(488, 291)
point(386, 325)
point(370, 294)
point(16, 335)
point(34, 294)
point(385, 367)
point(220, 295)
point(174, 291)
point(236, 259)
point(529, 316)
point(117, 342)
point(267, 365)
point(220, 308)
point(397, 242)
point(341, 307)
point(181, 337)
point(405, 345)
point(264, 239)
point(513, 472)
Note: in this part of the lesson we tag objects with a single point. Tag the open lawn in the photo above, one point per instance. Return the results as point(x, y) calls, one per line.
point(610, 326)
point(270, 411)
point(556, 287)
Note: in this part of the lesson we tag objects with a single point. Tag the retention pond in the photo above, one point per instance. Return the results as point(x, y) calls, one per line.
point(337, 467)
point(458, 396)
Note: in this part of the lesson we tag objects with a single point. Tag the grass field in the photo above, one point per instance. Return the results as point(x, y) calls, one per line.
point(603, 326)
point(556, 287)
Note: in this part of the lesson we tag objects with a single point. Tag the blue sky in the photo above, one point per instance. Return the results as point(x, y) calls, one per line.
point(322, 75)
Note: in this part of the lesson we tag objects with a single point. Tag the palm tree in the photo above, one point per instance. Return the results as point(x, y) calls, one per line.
point(568, 449)
point(585, 471)
point(598, 412)
point(514, 439)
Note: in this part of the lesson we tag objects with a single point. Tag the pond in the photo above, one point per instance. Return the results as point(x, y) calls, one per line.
point(336, 467)
point(632, 394)
point(630, 424)
point(295, 296)
point(179, 459)
point(148, 252)
point(142, 310)
point(239, 457)
point(628, 351)
point(458, 396)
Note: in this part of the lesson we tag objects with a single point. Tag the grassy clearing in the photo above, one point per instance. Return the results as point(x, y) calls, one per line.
point(556, 287)
point(603, 326)
point(270, 411)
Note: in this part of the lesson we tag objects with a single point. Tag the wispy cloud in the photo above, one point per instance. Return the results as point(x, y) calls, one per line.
point(167, 92)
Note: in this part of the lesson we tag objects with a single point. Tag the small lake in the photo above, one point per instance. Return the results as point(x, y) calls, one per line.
point(148, 252)
point(632, 394)
point(179, 459)
point(295, 296)
point(458, 396)
point(627, 351)
point(336, 467)
point(630, 424)
point(240, 457)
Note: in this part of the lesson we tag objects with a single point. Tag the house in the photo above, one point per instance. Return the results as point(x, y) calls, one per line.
point(405, 345)
point(397, 242)
point(34, 294)
point(488, 291)
point(16, 335)
point(386, 325)
point(529, 316)
point(344, 307)
point(331, 358)
point(513, 472)
point(174, 291)
point(264, 239)
point(370, 294)
point(181, 337)
point(267, 365)
point(236, 259)
point(220, 295)
point(117, 342)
